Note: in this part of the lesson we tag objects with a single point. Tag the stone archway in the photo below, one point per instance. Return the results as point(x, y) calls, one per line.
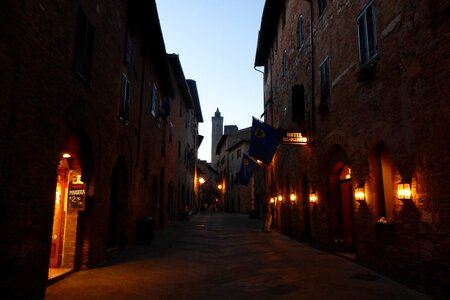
point(74, 177)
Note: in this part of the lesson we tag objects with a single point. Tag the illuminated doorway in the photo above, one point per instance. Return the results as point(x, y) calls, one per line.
point(69, 199)
point(340, 205)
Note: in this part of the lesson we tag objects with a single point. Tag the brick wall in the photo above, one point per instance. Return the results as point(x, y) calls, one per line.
point(401, 105)
point(44, 103)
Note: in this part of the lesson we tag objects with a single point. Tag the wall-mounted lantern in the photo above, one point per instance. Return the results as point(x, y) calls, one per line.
point(293, 197)
point(201, 180)
point(404, 191)
point(313, 198)
point(280, 197)
point(272, 200)
point(360, 195)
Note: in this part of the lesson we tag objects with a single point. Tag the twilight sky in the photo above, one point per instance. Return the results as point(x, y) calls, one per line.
point(216, 41)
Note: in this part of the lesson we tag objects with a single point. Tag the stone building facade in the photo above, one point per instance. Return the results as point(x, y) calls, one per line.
point(87, 135)
point(367, 82)
point(230, 149)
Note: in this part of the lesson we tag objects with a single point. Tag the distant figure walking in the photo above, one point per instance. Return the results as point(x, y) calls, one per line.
point(267, 211)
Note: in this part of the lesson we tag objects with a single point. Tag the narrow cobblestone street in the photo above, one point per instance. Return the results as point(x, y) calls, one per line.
point(226, 256)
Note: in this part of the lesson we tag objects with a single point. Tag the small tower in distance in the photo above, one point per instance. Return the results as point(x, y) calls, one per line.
point(216, 132)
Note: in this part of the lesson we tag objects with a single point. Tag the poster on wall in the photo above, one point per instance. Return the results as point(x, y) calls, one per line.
point(77, 195)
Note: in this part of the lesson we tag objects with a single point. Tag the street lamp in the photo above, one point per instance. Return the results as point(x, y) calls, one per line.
point(313, 197)
point(293, 197)
point(404, 191)
point(360, 195)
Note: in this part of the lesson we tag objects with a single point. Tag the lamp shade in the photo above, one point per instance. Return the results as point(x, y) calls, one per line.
point(359, 194)
point(404, 191)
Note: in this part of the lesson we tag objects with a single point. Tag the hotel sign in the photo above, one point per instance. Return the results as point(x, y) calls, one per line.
point(293, 137)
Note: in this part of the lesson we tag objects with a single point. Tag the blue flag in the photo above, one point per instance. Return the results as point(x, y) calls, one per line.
point(248, 166)
point(263, 141)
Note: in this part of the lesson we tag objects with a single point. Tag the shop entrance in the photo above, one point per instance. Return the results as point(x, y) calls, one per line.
point(69, 199)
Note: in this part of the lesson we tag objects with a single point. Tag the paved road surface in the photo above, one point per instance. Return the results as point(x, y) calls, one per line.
point(227, 256)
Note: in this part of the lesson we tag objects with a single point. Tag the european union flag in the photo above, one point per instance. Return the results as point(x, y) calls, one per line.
point(263, 141)
point(248, 166)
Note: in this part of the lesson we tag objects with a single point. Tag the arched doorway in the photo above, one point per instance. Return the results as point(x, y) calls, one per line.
point(154, 195)
point(382, 169)
point(117, 237)
point(306, 234)
point(74, 174)
point(340, 205)
point(171, 202)
point(161, 199)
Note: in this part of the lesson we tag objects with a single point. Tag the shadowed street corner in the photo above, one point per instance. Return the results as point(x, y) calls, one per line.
point(226, 256)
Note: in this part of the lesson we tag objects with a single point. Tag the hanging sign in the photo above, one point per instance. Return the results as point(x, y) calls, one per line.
point(77, 195)
point(293, 137)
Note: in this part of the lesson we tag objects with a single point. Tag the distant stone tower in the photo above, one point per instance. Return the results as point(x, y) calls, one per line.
point(217, 131)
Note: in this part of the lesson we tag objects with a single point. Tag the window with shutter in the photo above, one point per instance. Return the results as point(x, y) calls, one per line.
point(367, 40)
point(129, 53)
point(124, 100)
point(84, 47)
point(322, 6)
point(154, 100)
point(324, 81)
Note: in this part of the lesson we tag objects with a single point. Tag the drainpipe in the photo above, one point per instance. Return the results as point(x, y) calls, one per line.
point(141, 100)
point(313, 80)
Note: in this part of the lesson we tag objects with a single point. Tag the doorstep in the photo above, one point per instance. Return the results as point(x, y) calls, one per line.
point(56, 274)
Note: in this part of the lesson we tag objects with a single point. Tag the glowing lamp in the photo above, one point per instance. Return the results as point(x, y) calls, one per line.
point(66, 155)
point(359, 194)
point(404, 191)
point(272, 200)
point(219, 186)
point(201, 180)
point(349, 174)
point(280, 197)
point(293, 197)
point(313, 197)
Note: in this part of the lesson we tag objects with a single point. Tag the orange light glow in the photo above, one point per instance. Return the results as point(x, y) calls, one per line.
point(359, 194)
point(404, 191)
